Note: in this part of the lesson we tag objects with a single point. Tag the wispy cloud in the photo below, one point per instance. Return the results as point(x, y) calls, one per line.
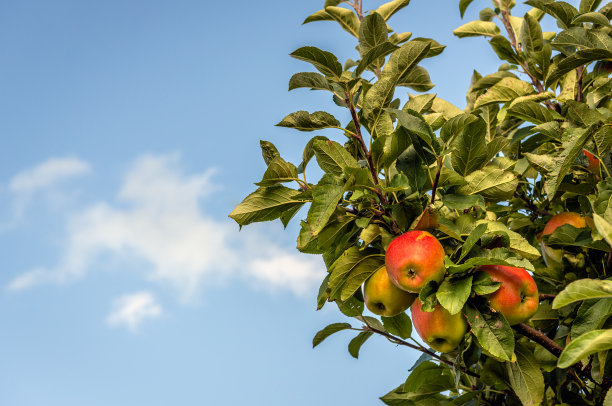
point(158, 216)
point(132, 309)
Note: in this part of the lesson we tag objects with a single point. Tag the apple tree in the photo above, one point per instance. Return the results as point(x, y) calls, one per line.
point(515, 189)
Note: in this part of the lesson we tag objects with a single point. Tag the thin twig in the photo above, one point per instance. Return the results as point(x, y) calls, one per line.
point(399, 341)
point(545, 296)
point(579, 74)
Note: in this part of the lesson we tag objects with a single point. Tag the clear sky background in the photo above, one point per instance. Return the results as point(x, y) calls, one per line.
point(130, 129)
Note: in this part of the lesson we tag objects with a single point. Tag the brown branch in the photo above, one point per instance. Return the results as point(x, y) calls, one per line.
point(540, 338)
point(436, 180)
point(545, 296)
point(359, 136)
point(579, 73)
point(432, 354)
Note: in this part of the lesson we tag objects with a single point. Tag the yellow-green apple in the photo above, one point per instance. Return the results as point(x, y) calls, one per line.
point(554, 257)
point(439, 329)
point(517, 297)
point(413, 259)
point(382, 297)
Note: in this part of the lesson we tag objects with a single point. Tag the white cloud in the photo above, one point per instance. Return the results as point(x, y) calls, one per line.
point(45, 176)
point(132, 309)
point(158, 218)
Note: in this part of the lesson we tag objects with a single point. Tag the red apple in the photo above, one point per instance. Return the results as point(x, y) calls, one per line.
point(439, 329)
point(517, 297)
point(382, 297)
point(413, 259)
point(554, 257)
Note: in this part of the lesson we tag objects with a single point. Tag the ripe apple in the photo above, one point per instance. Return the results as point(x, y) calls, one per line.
point(439, 329)
point(554, 257)
point(382, 297)
point(517, 297)
point(413, 259)
point(593, 162)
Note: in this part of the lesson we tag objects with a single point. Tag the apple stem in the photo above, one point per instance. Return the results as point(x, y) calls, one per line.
point(399, 341)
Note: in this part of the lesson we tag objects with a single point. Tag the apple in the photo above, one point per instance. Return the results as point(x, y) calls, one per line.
point(517, 297)
point(413, 259)
point(439, 329)
point(383, 298)
point(554, 257)
point(593, 162)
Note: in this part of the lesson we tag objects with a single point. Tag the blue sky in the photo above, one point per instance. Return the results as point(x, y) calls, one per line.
point(130, 131)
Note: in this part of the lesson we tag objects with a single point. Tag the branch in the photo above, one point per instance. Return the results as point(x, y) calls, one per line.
point(399, 341)
point(545, 296)
point(436, 180)
point(359, 136)
point(540, 338)
point(579, 74)
point(531, 205)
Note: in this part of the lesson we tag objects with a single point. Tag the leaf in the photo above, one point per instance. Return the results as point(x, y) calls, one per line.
point(388, 9)
point(492, 183)
point(455, 126)
point(525, 377)
point(268, 151)
point(572, 148)
point(603, 140)
point(312, 80)
point(453, 293)
point(304, 121)
point(518, 243)
point(325, 198)
point(562, 11)
point(357, 342)
point(592, 17)
point(399, 325)
point(583, 289)
point(588, 5)
point(320, 15)
point(352, 269)
point(325, 62)
point(575, 60)
point(400, 62)
point(327, 331)
point(482, 284)
point(503, 49)
point(470, 151)
point(333, 158)
point(505, 90)
point(463, 5)
point(603, 227)
point(447, 109)
point(585, 345)
point(459, 202)
point(532, 112)
point(346, 18)
point(592, 314)
point(491, 330)
point(372, 33)
point(476, 29)
point(265, 204)
point(472, 239)
point(373, 55)
point(531, 34)
point(278, 171)
point(417, 79)
point(435, 48)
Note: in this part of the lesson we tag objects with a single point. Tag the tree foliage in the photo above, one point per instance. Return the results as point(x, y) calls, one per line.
point(534, 139)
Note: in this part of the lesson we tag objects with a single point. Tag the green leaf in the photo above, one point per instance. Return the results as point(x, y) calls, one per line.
point(357, 342)
point(503, 49)
point(472, 239)
point(304, 121)
point(482, 284)
point(372, 33)
point(428, 378)
point(312, 80)
point(477, 29)
point(325, 198)
point(572, 148)
point(415, 124)
point(268, 151)
point(492, 183)
point(491, 330)
point(525, 377)
point(346, 18)
point(518, 243)
point(470, 151)
point(503, 91)
point(417, 79)
point(603, 140)
point(592, 314)
point(575, 60)
point(278, 171)
point(265, 204)
point(435, 48)
point(320, 15)
point(562, 11)
point(453, 293)
point(327, 331)
point(603, 227)
point(460, 202)
point(399, 325)
point(373, 55)
point(532, 112)
point(585, 345)
point(388, 9)
point(592, 17)
point(583, 289)
point(588, 5)
point(333, 158)
point(531, 34)
point(401, 61)
point(455, 126)
point(352, 269)
point(325, 62)
point(447, 109)
point(463, 5)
